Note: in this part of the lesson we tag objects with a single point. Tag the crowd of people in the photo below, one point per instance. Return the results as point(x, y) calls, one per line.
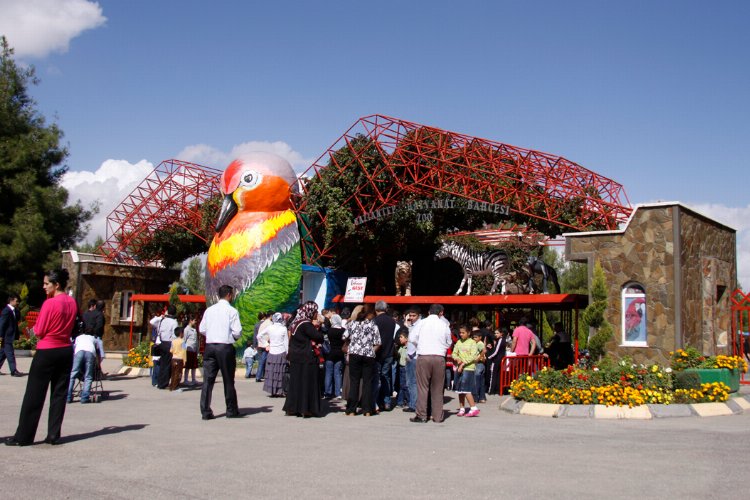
point(372, 358)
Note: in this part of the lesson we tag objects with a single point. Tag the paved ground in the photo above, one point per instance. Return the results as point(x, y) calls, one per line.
point(143, 442)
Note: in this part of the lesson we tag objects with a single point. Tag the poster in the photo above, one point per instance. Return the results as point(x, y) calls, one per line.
point(635, 319)
point(355, 289)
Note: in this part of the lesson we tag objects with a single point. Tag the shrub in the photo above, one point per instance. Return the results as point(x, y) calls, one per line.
point(687, 380)
point(26, 343)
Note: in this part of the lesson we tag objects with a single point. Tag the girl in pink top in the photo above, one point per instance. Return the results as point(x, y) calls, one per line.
point(51, 365)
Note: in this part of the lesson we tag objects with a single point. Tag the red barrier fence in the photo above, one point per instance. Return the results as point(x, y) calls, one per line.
point(512, 367)
point(741, 328)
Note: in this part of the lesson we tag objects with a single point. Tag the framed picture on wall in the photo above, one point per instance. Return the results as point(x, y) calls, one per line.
point(634, 330)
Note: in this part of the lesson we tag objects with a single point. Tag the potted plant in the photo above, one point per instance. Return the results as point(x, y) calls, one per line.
point(709, 369)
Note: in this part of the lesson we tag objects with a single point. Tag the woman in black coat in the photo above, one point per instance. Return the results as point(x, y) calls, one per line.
point(303, 398)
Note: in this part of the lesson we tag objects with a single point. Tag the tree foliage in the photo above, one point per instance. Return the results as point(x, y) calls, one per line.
point(36, 221)
point(172, 244)
point(593, 315)
point(195, 277)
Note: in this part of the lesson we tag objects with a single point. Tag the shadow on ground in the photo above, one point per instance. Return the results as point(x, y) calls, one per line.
point(112, 429)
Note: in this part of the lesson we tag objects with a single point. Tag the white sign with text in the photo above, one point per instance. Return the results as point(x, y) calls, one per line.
point(355, 289)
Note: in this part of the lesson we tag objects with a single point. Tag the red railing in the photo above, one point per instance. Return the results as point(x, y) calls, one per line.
point(512, 367)
point(740, 328)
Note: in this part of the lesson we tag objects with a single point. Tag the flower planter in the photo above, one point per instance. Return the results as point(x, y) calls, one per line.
point(710, 375)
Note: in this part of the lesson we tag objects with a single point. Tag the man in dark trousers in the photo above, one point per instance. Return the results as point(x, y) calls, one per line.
point(9, 318)
point(221, 327)
point(165, 325)
point(382, 381)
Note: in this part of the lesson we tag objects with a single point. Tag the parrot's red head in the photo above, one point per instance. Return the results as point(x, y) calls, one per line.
point(256, 182)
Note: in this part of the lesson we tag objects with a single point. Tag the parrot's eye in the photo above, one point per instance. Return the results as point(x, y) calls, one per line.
point(250, 179)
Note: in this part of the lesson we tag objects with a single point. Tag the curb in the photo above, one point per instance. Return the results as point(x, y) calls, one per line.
point(735, 405)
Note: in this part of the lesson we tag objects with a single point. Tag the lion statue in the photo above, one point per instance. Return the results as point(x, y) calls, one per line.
point(403, 277)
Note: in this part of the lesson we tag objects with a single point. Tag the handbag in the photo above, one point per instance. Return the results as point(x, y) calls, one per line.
point(325, 349)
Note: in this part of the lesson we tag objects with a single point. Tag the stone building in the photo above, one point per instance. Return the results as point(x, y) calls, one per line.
point(670, 272)
point(91, 277)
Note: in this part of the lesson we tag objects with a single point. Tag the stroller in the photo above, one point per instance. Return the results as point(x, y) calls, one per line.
point(97, 392)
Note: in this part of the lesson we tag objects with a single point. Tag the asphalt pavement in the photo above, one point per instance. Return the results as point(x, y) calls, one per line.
point(142, 442)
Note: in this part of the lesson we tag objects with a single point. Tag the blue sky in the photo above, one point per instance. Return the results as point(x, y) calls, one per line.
point(652, 94)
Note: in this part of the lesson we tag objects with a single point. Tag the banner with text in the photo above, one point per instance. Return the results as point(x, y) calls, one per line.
point(355, 289)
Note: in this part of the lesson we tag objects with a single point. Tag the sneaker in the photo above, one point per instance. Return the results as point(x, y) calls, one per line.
point(473, 413)
point(461, 412)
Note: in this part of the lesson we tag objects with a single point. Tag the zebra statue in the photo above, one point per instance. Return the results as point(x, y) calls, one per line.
point(474, 263)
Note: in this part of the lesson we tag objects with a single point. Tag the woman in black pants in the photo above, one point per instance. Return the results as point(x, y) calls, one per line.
point(51, 365)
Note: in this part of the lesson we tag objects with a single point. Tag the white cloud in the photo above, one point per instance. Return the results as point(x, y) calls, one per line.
point(739, 219)
point(209, 156)
point(108, 186)
point(114, 180)
point(36, 28)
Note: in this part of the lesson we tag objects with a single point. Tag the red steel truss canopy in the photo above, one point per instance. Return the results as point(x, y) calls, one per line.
point(170, 196)
point(421, 160)
point(418, 160)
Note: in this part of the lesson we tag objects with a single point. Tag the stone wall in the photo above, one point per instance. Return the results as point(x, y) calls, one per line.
point(708, 256)
point(687, 295)
point(644, 254)
point(94, 279)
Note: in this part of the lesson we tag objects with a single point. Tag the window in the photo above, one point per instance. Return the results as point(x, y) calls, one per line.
point(126, 306)
point(634, 331)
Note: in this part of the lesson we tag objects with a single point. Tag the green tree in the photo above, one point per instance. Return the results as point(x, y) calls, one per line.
point(195, 277)
point(600, 330)
point(89, 247)
point(36, 222)
point(574, 278)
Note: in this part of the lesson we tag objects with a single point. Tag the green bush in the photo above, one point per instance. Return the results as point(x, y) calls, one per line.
point(686, 380)
point(26, 343)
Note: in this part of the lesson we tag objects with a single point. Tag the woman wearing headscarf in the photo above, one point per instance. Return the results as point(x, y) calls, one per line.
point(303, 398)
point(51, 366)
point(278, 344)
point(334, 359)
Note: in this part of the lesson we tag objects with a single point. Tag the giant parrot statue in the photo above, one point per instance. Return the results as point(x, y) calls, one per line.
point(256, 248)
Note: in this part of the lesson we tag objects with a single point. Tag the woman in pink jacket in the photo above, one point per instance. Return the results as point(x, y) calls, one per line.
point(52, 363)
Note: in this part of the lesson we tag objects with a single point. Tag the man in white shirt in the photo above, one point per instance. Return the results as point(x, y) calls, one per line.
point(432, 338)
point(85, 361)
point(221, 327)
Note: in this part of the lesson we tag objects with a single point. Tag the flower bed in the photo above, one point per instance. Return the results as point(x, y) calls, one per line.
point(623, 383)
point(139, 356)
point(610, 384)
